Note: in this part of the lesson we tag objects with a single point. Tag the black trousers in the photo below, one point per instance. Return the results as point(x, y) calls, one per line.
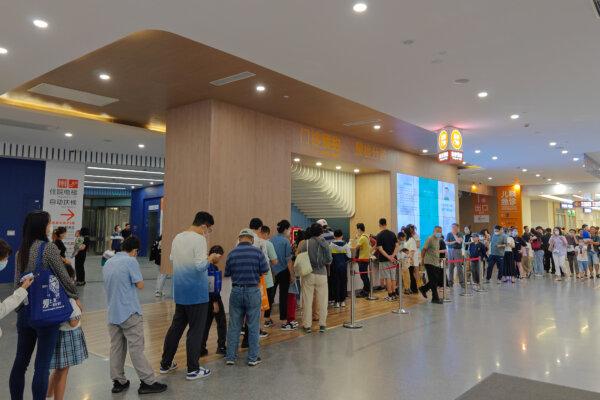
point(194, 316)
point(572, 260)
point(80, 268)
point(364, 267)
point(339, 284)
point(413, 281)
point(281, 280)
point(221, 323)
point(548, 261)
point(434, 279)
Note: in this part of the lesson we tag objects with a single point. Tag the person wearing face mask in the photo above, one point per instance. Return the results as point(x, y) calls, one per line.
point(509, 272)
point(13, 301)
point(430, 257)
point(496, 258)
point(190, 294)
point(454, 241)
point(558, 246)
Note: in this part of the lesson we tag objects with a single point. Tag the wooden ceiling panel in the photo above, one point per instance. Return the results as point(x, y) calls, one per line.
point(152, 71)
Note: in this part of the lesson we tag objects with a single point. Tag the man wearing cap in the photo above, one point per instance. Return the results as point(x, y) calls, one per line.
point(327, 233)
point(245, 264)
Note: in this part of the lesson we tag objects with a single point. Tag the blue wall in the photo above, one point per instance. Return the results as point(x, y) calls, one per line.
point(141, 199)
point(22, 191)
point(299, 219)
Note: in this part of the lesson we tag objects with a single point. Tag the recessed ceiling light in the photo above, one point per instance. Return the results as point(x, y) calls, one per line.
point(482, 95)
point(494, 158)
point(564, 151)
point(424, 151)
point(515, 116)
point(285, 96)
point(549, 179)
point(40, 23)
point(490, 178)
point(318, 163)
point(477, 151)
point(356, 170)
point(133, 187)
point(296, 159)
point(575, 158)
point(260, 88)
point(537, 175)
point(141, 145)
point(104, 76)
point(68, 134)
point(152, 183)
point(524, 170)
point(552, 144)
point(359, 7)
point(338, 167)
point(3, 50)
point(461, 81)
point(377, 127)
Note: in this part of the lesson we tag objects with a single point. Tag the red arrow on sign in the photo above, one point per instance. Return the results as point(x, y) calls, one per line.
point(71, 214)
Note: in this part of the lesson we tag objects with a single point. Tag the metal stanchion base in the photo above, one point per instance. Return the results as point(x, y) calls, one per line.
point(466, 294)
point(350, 325)
point(372, 298)
point(400, 311)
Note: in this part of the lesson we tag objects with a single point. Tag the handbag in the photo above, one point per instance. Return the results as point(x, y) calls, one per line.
point(264, 298)
point(48, 301)
point(302, 266)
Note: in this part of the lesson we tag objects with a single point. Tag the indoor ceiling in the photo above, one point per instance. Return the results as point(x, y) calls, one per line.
point(535, 58)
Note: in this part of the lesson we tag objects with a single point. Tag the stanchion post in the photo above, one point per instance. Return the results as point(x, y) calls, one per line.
point(444, 267)
point(370, 274)
point(481, 271)
point(400, 309)
point(352, 324)
point(466, 291)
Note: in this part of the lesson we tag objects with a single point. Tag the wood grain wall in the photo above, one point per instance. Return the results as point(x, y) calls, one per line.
point(373, 201)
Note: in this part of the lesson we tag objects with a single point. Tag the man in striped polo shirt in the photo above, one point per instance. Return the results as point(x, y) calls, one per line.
point(245, 264)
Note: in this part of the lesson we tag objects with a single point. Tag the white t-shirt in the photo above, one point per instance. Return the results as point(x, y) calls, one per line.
point(510, 244)
point(411, 245)
point(582, 253)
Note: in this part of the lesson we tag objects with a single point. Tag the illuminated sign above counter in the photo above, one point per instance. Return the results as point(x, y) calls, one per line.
point(450, 144)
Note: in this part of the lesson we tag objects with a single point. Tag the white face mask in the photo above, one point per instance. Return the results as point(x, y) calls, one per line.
point(467, 231)
point(556, 232)
point(3, 264)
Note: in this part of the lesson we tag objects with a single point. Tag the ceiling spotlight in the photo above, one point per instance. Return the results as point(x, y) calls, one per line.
point(564, 151)
point(575, 159)
point(494, 158)
point(477, 151)
point(537, 175)
point(260, 88)
point(482, 95)
point(552, 144)
point(424, 151)
point(360, 7)
point(296, 159)
point(515, 116)
point(68, 134)
point(3, 50)
point(524, 170)
point(40, 23)
point(549, 179)
point(152, 183)
point(356, 170)
point(104, 76)
point(141, 145)
point(318, 163)
point(338, 167)
point(377, 127)
point(133, 187)
point(490, 178)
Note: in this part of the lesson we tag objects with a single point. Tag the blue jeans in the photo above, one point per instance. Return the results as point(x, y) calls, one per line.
point(494, 260)
point(27, 338)
point(244, 302)
point(538, 262)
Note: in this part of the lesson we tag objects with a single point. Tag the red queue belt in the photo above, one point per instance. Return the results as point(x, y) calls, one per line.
point(459, 260)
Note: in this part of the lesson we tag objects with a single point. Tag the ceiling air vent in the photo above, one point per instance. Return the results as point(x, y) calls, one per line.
point(597, 5)
point(72, 94)
point(232, 78)
point(361, 123)
point(26, 125)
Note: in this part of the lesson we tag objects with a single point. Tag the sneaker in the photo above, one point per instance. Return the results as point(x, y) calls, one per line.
point(343, 304)
point(199, 373)
point(269, 323)
point(229, 362)
point(336, 305)
point(222, 350)
point(331, 302)
point(288, 327)
point(163, 370)
point(158, 294)
point(263, 334)
point(255, 362)
point(307, 330)
point(118, 387)
point(294, 323)
point(156, 387)
point(322, 328)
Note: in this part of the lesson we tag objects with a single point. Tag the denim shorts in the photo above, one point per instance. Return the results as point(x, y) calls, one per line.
point(583, 265)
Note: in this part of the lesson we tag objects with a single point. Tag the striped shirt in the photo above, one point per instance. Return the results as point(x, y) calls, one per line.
point(245, 264)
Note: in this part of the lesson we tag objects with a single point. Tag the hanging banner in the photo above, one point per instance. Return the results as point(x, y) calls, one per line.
point(481, 212)
point(510, 212)
point(63, 198)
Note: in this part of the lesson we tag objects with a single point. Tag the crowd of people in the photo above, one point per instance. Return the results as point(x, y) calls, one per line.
point(308, 271)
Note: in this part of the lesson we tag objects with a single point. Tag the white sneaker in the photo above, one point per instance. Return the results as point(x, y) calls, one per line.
point(336, 305)
point(200, 373)
point(158, 294)
point(343, 304)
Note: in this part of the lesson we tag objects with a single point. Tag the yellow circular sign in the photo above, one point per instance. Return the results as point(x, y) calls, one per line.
point(456, 139)
point(443, 140)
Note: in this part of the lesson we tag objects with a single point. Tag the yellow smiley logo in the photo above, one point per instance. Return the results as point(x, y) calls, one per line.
point(456, 139)
point(443, 140)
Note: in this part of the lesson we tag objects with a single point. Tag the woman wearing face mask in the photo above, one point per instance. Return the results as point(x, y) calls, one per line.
point(510, 272)
point(35, 235)
point(13, 301)
point(558, 246)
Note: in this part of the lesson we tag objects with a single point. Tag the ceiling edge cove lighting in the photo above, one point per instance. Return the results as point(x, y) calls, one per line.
point(162, 128)
point(561, 199)
point(37, 105)
point(126, 170)
point(126, 178)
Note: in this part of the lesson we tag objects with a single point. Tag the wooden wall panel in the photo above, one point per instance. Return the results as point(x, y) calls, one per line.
point(373, 201)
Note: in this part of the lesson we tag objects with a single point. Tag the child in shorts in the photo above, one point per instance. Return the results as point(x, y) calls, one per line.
point(582, 259)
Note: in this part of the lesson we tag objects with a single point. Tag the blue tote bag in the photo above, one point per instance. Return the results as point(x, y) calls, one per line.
point(48, 302)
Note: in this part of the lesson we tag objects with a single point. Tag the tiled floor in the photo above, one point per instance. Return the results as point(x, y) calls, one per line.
point(534, 329)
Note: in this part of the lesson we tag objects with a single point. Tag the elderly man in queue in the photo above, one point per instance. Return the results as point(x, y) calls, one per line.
point(430, 257)
point(245, 264)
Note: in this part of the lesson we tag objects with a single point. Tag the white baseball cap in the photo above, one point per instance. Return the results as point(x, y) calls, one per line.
point(322, 222)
